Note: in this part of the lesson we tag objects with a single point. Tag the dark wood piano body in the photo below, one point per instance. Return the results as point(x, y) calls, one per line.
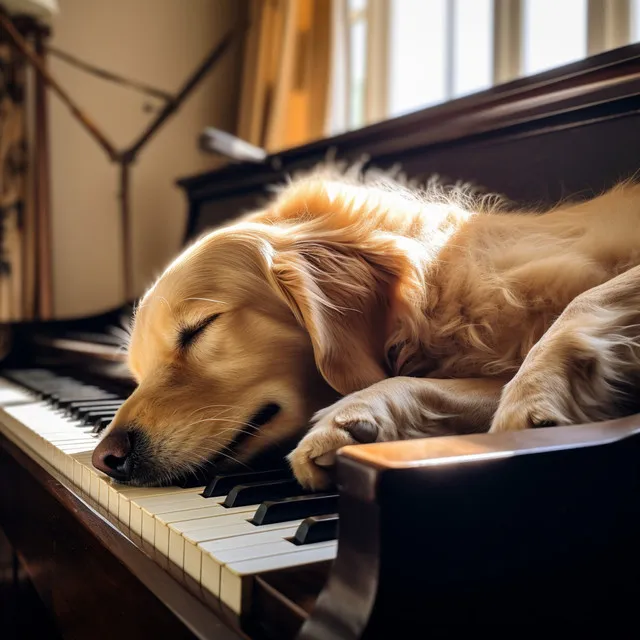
point(481, 537)
point(536, 140)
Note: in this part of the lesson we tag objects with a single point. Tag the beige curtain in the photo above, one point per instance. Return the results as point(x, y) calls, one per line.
point(286, 76)
point(24, 267)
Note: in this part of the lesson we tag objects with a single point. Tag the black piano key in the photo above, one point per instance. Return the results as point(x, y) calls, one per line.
point(222, 484)
point(36, 380)
point(47, 393)
point(61, 382)
point(63, 400)
point(66, 389)
point(80, 390)
point(90, 416)
point(95, 338)
point(81, 405)
point(295, 507)
point(45, 390)
point(257, 492)
point(80, 412)
point(98, 420)
point(56, 382)
point(53, 388)
point(317, 529)
point(101, 424)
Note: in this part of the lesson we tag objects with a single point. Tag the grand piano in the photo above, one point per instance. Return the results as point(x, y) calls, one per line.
point(536, 531)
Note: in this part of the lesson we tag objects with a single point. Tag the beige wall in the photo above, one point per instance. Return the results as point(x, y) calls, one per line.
point(159, 42)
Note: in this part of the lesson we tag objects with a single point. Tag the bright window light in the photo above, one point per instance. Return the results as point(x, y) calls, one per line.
point(417, 54)
point(555, 33)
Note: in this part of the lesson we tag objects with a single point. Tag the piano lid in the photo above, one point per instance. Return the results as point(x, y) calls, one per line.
point(535, 140)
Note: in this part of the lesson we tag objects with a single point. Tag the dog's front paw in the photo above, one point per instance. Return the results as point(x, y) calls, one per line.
point(535, 399)
point(351, 420)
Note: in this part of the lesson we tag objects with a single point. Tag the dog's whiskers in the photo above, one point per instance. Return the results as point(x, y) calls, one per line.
point(214, 406)
point(245, 426)
point(203, 459)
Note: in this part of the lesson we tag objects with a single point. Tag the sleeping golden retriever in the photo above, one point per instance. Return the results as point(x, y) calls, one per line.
point(357, 310)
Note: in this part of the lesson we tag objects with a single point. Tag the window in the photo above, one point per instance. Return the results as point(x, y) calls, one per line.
point(635, 21)
point(472, 46)
point(555, 33)
point(417, 54)
point(439, 49)
point(357, 61)
point(405, 55)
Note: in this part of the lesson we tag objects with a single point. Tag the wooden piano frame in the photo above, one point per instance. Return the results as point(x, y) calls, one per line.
point(492, 525)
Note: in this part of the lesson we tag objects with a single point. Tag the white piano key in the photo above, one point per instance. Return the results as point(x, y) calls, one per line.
point(62, 431)
point(80, 463)
point(154, 522)
point(127, 495)
point(98, 479)
point(162, 520)
point(176, 547)
point(240, 548)
point(208, 528)
point(217, 546)
point(235, 578)
point(11, 427)
point(209, 572)
point(191, 497)
point(104, 493)
point(135, 518)
point(55, 438)
point(170, 514)
point(136, 505)
point(197, 531)
point(13, 422)
point(61, 441)
point(192, 552)
point(86, 479)
point(53, 430)
point(69, 444)
point(249, 539)
point(131, 492)
point(11, 393)
point(36, 416)
point(69, 458)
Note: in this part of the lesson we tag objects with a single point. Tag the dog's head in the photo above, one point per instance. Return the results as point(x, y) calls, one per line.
point(248, 333)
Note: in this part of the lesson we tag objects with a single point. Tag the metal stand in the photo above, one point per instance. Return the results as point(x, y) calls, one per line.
point(124, 157)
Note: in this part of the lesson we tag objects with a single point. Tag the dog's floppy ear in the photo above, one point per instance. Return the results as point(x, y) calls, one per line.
point(342, 300)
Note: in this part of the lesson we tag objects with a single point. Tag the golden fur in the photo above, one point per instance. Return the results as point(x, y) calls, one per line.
point(382, 312)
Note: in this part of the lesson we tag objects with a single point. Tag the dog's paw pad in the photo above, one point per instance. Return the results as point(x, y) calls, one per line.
point(362, 431)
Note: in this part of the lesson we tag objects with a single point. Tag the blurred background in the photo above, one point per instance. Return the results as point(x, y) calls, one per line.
point(306, 69)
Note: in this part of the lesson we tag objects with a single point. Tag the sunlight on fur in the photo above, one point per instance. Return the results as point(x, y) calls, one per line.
point(379, 311)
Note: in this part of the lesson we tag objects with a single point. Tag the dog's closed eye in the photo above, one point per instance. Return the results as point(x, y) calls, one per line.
point(188, 335)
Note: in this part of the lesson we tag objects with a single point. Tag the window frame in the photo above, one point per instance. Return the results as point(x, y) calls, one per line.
point(609, 25)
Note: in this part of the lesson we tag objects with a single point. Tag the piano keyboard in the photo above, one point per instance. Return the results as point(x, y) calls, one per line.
point(221, 535)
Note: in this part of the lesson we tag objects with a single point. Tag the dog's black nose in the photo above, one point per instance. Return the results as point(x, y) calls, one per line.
point(113, 455)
